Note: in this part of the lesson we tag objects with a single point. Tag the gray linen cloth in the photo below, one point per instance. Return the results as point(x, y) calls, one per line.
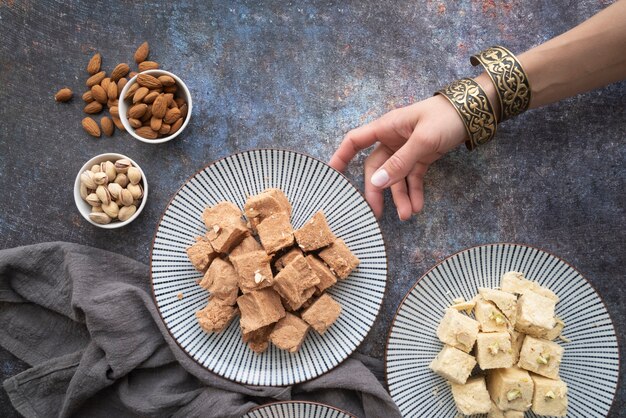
point(84, 319)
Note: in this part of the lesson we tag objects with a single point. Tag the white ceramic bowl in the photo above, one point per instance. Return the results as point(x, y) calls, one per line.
point(85, 208)
point(123, 106)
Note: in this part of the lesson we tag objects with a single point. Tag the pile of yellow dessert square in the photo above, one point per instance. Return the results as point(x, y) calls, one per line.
point(510, 338)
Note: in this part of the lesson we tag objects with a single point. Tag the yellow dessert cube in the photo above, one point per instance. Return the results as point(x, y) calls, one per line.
point(493, 350)
point(495, 412)
point(489, 317)
point(506, 302)
point(453, 364)
point(472, 397)
point(535, 314)
point(550, 396)
point(541, 356)
point(517, 339)
point(458, 330)
point(515, 282)
point(510, 388)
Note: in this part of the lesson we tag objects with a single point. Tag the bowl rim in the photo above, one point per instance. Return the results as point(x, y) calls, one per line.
point(278, 403)
point(491, 244)
point(122, 107)
point(81, 205)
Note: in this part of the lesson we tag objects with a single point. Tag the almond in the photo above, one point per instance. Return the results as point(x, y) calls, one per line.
point(146, 117)
point(63, 95)
point(165, 128)
point(170, 98)
point(135, 123)
point(159, 107)
point(170, 89)
point(107, 126)
point(93, 107)
point(112, 91)
point(112, 103)
point(88, 97)
point(95, 79)
point(91, 126)
point(121, 83)
point(94, 64)
point(132, 74)
point(140, 94)
point(146, 80)
point(137, 110)
point(176, 126)
point(99, 94)
point(118, 123)
point(172, 115)
point(131, 91)
point(179, 101)
point(119, 71)
point(105, 83)
point(147, 65)
point(150, 97)
point(114, 111)
point(141, 54)
point(155, 123)
point(146, 132)
point(183, 111)
point(166, 80)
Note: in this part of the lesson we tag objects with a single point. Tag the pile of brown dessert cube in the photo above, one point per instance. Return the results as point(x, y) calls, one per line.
point(277, 285)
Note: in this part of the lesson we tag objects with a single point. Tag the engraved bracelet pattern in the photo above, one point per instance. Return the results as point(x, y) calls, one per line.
point(474, 108)
point(509, 78)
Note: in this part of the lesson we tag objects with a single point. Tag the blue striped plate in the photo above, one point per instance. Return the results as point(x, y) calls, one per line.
point(590, 364)
point(310, 185)
point(296, 409)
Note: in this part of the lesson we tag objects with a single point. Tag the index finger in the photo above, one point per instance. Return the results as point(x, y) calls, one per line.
point(356, 140)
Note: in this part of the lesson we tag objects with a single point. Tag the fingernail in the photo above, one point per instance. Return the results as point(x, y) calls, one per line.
point(399, 217)
point(380, 178)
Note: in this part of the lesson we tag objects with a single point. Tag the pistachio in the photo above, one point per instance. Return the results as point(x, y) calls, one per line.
point(497, 317)
point(100, 178)
point(95, 209)
point(543, 358)
point(550, 395)
point(136, 190)
point(121, 179)
point(115, 190)
point(100, 218)
point(93, 199)
point(83, 191)
point(121, 166)
point(95, 168)
point(109, 168)
point(134, 175)
point(464, 338)
point(111, 209)
point(513, 394)
point(494, 348)
point(87, 179)
point(126, 212)
point(126, 197)
point(103, 194)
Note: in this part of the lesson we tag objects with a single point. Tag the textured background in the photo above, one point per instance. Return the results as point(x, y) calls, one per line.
point(298, 76)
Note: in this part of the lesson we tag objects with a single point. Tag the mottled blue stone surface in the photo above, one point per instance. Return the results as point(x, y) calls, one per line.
point(297, 75)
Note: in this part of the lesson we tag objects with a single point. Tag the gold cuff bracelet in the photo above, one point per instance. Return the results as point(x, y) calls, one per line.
point(473, 106)
point(509, 78)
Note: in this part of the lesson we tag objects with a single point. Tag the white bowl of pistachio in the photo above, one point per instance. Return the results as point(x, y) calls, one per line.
point(110, 190)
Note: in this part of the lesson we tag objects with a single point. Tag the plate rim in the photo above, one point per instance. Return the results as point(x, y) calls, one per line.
point(395, 316)
point(250, 150)
point(256, 408)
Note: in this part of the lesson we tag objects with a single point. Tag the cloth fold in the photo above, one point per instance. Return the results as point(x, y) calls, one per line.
point(85, 320)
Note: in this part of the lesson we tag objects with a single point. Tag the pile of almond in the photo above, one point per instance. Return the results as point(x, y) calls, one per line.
point(104, 91)
point(153, 108)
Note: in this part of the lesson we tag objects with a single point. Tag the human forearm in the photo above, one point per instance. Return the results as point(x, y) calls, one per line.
point(591, 55)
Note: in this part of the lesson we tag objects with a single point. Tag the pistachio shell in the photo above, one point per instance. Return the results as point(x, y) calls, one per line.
point(115, 190)
point(100, 178)
point(121, 166)
point(95, 168)
point(126, 212)
point(126, 197)
point(136, 190)
point(93, 199)
point(121, 179)
point(109, 168)
point(111, 209)
point(87, 179)
point(83, 191)
point(95, 209)
point(100, 218)
point(134, 175)
point(103, 194)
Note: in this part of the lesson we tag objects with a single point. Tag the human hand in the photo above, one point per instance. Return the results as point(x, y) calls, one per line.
point(409, 140)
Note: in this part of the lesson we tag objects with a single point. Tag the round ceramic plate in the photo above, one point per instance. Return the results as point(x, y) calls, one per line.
point(296, 409)
point(310, 186)
point(590, 364)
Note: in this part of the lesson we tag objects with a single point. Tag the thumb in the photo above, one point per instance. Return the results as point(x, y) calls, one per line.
point(398, 166)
